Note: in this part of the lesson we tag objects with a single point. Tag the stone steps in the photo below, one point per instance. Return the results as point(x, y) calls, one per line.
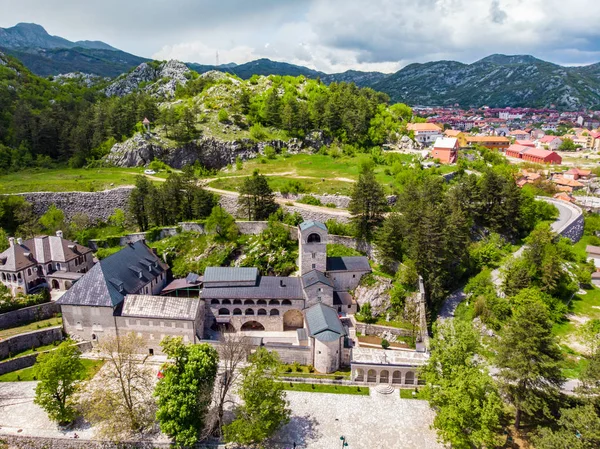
point(385, 389)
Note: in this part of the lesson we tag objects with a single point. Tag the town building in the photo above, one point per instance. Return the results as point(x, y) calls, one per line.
point(525, 143)
point(425, 133)
point(44, 261)
point(577, 173)
point(91, 307)
point(446, 150)
point(492, 142)
point(536, 155)
point(458, 134)
point(551, 143)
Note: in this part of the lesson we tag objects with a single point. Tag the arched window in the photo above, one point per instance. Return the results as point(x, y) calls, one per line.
point(226, 302)
point(248, 302)
point(249, 312)
point(261, 302)
point(371, 376)
point(286, 302)
point(360, 375)
point(214, 301)
point(397, 377)
point(237, 311)
point(313, 238)
point(384, 377)
point(262, 312)
point(274, 312)
point(409, 378)
point(19, 275)
point(3, 276)
point(28, 271)
point(273, 302)
point(223, 311)
point(57, 266)
point(237, 301)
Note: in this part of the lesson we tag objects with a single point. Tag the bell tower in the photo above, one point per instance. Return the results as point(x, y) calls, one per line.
point(312, 238)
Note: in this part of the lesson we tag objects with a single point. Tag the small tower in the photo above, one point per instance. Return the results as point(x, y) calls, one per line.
point(146, 124)
point(313, 236)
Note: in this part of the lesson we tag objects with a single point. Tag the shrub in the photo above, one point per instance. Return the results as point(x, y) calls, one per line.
point(331, 205)
point(385, 344)
point(238, 163)
point(309, 199)
point(296, 367)
point(223, 116)
point(258, 133)
point(270, 152)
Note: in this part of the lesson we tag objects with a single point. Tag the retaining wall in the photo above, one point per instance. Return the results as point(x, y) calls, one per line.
point(27, 442)
point(8, 366)
point(378, 330)
point(26, 315)
point(96, 205)
point(22, 342)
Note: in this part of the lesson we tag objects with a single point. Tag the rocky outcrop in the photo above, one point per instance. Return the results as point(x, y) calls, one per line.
point(142, 149)
point(2, 59)
point(85, 79)
point(377, 294)
point(159, 81)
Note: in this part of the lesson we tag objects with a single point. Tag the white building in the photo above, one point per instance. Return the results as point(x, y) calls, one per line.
point(425, 133)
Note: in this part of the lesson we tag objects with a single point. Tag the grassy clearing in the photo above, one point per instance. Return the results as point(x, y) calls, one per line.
point(37, 350)
point(319, 186)
point(27, 374)
point(37, 325)
point(584, 306)
point(67, 179)
point(288, 370)
point(321, 388)
point(411, 393)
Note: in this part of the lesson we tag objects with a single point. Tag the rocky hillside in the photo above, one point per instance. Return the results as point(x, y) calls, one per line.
point(496, 81)
point(158, 79)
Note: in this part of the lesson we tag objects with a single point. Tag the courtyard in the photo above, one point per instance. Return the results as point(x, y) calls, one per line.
point(318, 420)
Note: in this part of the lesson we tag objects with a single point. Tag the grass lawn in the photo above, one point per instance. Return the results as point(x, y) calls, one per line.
point(68, 179)
point(305, 371)
point(320, 388)
point(27, 374)
point(587, 305)
point(317, 186)
point(31, 351)
point(37, 325)
point(407, 393)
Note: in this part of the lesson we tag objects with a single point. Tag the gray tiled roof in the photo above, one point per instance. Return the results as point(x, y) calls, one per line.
point(107, 282)
point(16, 258)
point(348, 263)
point(323, 323)
point(315, 277)
point(342, 298)
point(230, 274)
point(267, 287)
point(310, 223)
point(147, 306)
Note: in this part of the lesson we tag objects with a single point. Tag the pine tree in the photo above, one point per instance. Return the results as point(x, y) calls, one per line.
point(529, 360)
point(368, 203)
point(256, 197)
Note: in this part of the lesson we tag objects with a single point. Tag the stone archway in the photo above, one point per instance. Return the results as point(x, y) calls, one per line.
point(252, 326)
point(55, 284)
point(409, 378)
point(293, 319)
point(384, 377)
point(397, 377)
point(371, 376)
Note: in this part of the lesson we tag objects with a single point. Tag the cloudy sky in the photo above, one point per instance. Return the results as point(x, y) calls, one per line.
point(327, 35)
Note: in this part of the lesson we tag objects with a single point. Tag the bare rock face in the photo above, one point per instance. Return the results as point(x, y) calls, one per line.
point(378, 295)
point(2, 59)
point(162, 80)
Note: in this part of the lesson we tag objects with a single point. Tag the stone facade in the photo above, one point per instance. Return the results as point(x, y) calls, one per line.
point(327, 355)
point(313, 249)
point(89, 322)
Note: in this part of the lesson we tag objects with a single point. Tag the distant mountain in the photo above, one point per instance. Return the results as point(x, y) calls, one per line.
point(45, 54)
point(495, 81)
point(268, 67)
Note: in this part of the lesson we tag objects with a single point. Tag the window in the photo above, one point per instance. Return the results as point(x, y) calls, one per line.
point(353, 275)
point(314, 266)
point(320, 289)
point(151, 351)
point(28, 271)
point(319, 299)
point(314, 255)
point(78, 326)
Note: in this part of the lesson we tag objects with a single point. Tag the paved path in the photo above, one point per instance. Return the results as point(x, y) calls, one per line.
point(368, 422)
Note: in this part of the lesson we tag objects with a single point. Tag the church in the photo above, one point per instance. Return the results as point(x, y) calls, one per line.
point(128, 292)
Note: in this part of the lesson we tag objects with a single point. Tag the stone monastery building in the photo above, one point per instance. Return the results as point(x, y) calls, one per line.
point(302, 317)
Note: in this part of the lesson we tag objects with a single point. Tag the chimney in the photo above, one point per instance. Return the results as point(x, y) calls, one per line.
point(11, 241)
point(19, 241)
point(59, 234)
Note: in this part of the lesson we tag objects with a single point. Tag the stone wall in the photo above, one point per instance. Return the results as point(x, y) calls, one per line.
point(97, 205)
point(291, 354)
point(28, 314)
point(29, 442)
point(22, 342)
point(380, 331)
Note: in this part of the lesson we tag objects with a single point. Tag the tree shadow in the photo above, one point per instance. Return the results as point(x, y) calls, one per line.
point(301, 430)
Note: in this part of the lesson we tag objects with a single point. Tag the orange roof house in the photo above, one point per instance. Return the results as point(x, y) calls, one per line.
point(576, 173)
point(491, 142)
point(461, 136)
point(574, 185)
point(525, 143)
point(446, 150)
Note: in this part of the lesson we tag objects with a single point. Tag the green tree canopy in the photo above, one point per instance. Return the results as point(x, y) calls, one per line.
point(59, 372)
point(184, 393)
point(264, 408)
point(367, 203)
point(256, 197)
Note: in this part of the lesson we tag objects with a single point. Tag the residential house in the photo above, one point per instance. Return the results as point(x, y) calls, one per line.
point(567, 185)
point(525, 143)
point(425, 133)
point(51, 261)
point(551, 143)
point(461, 136)
point(446, 150)
point(519, 134)
point(576, 173)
